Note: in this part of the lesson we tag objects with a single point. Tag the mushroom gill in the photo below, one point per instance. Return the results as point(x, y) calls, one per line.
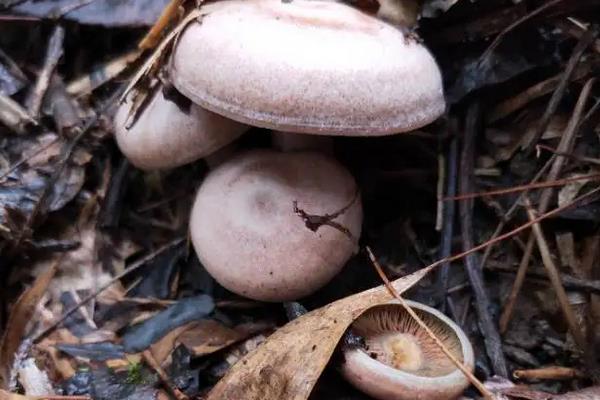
point(394, 338)
point(401, 361)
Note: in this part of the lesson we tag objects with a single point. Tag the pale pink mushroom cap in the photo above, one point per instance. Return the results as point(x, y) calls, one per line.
point(307, 66)
point(246, 233)
point(401, 361)
point(165, 136)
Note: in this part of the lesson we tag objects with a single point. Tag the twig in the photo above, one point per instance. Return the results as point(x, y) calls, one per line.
point(491, 336)
point(167, 16)
point(439, 190)
point(149, 65)
point(552, 373)
point(512, 26)
point(111, 207)
point(64, 112)
point(527, 187)
point(569, 281)
point(518, 101)
point(554, 276)
point(476, 382)
point(575, 28)
point(98, 76)
point(555, 169)
point(14, 116)
point(53, 55)
point(108, 284)
point(12, 67)
point(583, 159)
point(559, 92)
point(510, 213)
point(152, 363)
point(511, 300)
point(448, 226)
point(517, 230)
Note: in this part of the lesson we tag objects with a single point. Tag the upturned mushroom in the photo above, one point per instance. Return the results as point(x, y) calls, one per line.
point(401, 361)
point(318, 67)
point(170, 133)
point(252, 239)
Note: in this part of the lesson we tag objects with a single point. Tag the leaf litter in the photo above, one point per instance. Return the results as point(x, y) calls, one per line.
point(103, 294)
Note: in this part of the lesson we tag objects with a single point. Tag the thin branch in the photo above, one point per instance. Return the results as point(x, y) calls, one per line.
point(554, 276)
point(586, 39)
point(565, 145)
point(512, 26)
point(53, 55)
point(449, 214)
point(529, 186)
point(487, 325)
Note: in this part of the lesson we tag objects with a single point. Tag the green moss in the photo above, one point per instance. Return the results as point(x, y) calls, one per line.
point(135, 374)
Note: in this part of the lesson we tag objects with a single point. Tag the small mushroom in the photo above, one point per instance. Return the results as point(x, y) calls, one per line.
point(318, 67)
point(401, 361)
point(251, 239)
point(170, 133)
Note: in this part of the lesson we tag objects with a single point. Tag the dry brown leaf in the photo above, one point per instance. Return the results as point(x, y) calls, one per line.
point(165, 346)
point(208, 336)
point(288, 364)
point(20, 315)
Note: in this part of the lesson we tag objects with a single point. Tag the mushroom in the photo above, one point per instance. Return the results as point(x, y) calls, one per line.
point(401, 361)
point(317, 67)
point(249, 237)
point(170, 133)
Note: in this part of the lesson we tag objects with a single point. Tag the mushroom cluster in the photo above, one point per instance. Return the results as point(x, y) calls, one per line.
point(300, 68)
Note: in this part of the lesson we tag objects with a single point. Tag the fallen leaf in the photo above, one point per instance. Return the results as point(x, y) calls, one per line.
point(208, 336)
point(140, 336)
point(288, 364)
point(20, 315)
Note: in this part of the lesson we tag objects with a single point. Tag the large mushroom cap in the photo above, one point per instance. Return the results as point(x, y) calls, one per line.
point(247, 235)
point(401, 361)
point(307, 66)
point(167, 135)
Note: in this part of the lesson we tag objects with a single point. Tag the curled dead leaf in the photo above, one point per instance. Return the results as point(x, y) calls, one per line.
point(292, 359)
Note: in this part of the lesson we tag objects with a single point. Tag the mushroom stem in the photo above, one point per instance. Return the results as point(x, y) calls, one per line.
point(289, 142)
point(220, 156)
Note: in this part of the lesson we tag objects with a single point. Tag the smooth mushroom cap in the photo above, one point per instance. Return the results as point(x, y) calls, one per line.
point(308, 66)
point(166, 135)
point(249, 238)
point(401, 361)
